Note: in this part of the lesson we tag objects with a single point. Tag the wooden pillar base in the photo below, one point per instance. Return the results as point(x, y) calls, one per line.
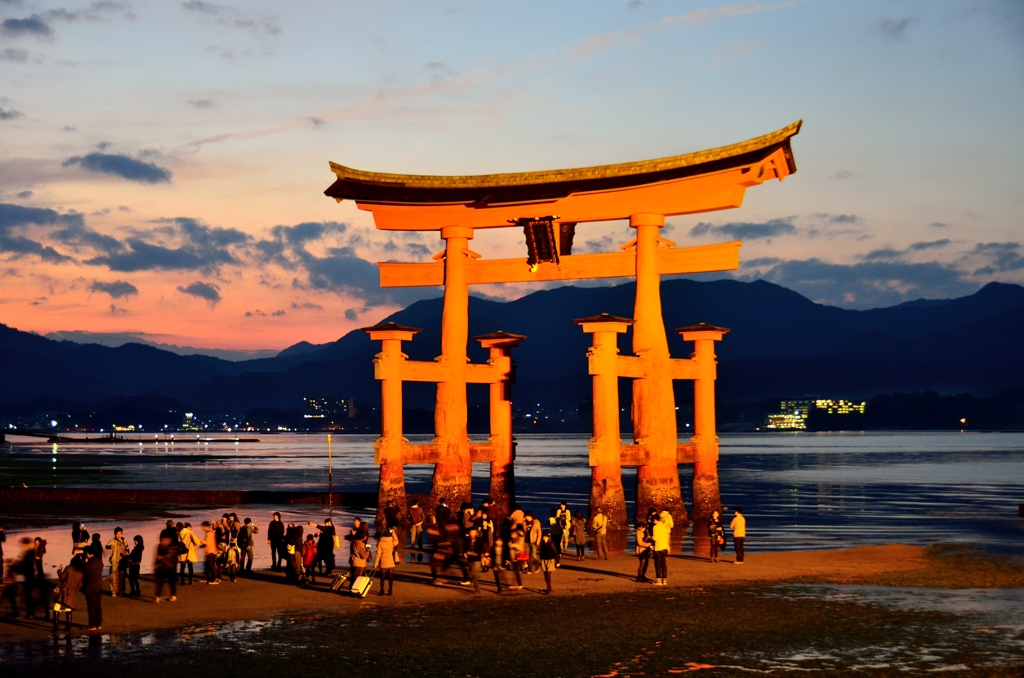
point(657, 488)
point(606, 491)
point(502, 492)
point(391, 489)
point(453, 481)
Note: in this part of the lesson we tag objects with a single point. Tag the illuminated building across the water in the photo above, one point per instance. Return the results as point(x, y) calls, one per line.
point(793, 414)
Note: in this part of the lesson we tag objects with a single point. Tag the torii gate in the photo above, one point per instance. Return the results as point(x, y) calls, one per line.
point(549, 205)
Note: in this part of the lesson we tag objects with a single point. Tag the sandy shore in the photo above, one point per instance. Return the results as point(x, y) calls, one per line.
point(266, 594)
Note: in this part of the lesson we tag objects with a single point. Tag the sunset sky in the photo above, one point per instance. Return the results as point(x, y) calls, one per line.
point(162, 164)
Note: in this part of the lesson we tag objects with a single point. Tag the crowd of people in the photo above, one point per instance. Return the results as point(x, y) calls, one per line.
point(464, 539)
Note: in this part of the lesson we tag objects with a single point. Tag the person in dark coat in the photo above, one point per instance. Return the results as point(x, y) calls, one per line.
point(93, 585)
point(325, 547)
point(165, 567)
point(275, 538)
point(135, 566)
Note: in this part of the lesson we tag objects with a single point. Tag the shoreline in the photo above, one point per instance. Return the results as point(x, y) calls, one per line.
point(265, 595)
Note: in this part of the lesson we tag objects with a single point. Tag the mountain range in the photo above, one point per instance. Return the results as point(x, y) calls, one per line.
point(781, 345)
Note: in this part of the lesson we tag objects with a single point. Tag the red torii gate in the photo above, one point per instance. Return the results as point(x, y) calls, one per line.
point(549, 205)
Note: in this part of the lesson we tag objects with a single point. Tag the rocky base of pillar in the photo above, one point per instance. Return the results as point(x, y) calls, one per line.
point(658, 494)
point(610, 496)
point(706, 497)
point(454, 492)
point(502, 494)
point(390, 491)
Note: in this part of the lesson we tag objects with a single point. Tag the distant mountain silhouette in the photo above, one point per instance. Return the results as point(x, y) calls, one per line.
point(781, 345)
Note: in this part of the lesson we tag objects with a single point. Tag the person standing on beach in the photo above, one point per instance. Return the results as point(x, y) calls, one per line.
point(716, 536)
point(118, 548)
point(165, 566)
point(69, 583)
point(385, 559)
point(416, 518)
point(79, 539)
point(360, 553)
point(533, 537)
point(564, 516)
point(600, 527)
point(739, 533)
point(475, 549)
point(548, 559)
point(660, 534)
point(518, 555)
point(516, 518)
point(40, 552)
point(135, 566)
point(644, 551)
point(210, 545)
point(92, 578)
point(325, 547)
point(246, 540)
point(309, 560)
point(275, 538)
point(579, 534)
point(189, 552)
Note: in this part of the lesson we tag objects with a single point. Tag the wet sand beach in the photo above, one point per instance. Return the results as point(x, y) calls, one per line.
point(863, 611)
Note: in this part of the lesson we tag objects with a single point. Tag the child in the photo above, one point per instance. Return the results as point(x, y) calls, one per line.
point(309, 558)
point(233, 558)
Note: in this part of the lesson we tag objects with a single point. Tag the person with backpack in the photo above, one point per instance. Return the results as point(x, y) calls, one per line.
point(246, 541)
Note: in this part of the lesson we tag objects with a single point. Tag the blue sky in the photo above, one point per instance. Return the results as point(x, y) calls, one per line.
point(169, 158)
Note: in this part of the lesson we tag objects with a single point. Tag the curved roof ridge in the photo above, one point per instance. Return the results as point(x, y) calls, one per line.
point(571, 174)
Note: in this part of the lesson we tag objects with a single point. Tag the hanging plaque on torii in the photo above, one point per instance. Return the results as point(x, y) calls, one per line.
point(549, 206)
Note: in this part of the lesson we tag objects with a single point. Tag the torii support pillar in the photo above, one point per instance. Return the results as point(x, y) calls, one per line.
point(606, 445)
point(503, 479)
point(706, 495)
point(388, 451)
point(654, 406)
point(453, 473)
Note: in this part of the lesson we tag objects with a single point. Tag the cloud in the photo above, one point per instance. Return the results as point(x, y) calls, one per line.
point(938, 224)
point(745, 230)
point(351, 314)
point(635, 4)
point(259, 24)
point(202, 103)
point(208, 291)
point(839, 218)
point(869, 284)
point(841, 175)
point(14, 54)
point(17, 217)
point(1004, 256)
point(10, 114)
point(261, 314)
point(933, 244)
point(182, 243)
point(33, 25)
point(122, 166)
point(116, 289)
point(77, 235)
point(25, 195)
point(307, 306)
point(895, 30)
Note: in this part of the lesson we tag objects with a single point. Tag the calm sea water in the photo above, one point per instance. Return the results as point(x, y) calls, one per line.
point(798, 491)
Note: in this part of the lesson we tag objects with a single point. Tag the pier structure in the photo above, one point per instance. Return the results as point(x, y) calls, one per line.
point(549, 206)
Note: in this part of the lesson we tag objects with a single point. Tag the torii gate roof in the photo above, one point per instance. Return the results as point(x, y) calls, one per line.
point(429, 202)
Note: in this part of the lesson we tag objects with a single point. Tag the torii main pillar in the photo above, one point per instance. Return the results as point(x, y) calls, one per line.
point(453, 474)
point(654, 404)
